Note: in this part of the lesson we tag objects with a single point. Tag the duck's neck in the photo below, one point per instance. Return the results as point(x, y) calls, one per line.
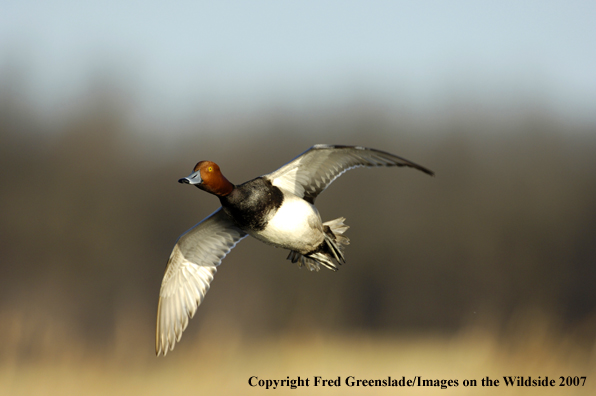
point(220, 187)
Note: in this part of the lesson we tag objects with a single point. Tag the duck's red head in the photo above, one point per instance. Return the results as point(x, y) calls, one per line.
point(207, 176)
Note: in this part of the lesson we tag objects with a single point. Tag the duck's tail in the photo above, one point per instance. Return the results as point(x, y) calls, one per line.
point(331, 249)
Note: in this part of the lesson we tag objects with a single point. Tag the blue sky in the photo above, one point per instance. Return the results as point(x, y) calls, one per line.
point(176, 57)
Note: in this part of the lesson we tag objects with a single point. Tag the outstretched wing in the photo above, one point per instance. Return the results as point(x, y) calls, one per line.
point(313, 171)
point(189, 272)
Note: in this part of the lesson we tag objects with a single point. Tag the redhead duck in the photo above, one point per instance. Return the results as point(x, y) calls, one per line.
point(277, 208)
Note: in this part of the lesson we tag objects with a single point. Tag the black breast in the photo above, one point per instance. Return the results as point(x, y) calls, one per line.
point(253, 203)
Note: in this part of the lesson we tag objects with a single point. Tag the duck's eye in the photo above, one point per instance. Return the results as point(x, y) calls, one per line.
point(210, 169)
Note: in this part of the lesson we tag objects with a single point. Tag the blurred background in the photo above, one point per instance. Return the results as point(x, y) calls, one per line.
point(487, 269)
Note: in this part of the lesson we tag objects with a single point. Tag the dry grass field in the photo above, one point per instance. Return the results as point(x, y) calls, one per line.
point(219, 361)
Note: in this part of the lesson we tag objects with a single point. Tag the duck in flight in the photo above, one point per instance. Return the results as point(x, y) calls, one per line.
point(277, 208)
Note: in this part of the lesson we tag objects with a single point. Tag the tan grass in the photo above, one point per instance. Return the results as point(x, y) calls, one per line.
point(213, 364)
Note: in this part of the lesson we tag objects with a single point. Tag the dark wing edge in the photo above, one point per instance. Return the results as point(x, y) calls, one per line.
point(313, 171)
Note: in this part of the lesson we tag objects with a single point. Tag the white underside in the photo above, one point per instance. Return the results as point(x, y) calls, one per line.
point(296, 226)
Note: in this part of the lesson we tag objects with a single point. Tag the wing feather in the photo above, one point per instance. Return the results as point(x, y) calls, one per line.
point(188, 274)
point(313, 171)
